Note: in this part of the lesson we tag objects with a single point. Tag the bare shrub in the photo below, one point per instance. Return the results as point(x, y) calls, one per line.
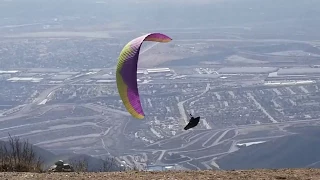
point(79, 165)
point(111, 164)
point(17, 156)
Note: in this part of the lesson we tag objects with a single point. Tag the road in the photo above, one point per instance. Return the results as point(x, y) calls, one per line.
point(261, 108)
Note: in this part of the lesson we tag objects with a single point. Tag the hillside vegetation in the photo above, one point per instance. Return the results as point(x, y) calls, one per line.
point(18, 155)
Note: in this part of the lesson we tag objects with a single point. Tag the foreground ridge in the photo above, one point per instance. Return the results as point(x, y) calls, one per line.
point(259, 174)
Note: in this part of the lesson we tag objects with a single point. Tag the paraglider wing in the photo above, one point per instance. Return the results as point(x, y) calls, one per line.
point(126, 73)
point(193, 123)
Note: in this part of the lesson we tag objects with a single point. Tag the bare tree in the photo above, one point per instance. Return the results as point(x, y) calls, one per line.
point(80, 165)
point(18, 156)
point(109, 164)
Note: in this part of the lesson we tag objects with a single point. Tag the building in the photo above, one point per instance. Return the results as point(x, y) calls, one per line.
point(8, 72)
point(158, 70)
point(24, 79)
point(142, 71)
point(164, 167)
point(240, 145)
point(60, 77)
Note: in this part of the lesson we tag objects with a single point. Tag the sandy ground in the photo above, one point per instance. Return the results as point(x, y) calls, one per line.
point(288, 174)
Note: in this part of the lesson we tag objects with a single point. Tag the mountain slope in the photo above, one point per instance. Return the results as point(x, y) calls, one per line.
point(294, 151)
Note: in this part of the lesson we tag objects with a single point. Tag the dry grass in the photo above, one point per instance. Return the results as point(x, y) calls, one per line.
point(79, 165)
point(18, 156)
point(109, 165)
point(286, 174)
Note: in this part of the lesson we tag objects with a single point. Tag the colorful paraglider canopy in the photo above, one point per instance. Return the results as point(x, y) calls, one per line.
point(126, 73)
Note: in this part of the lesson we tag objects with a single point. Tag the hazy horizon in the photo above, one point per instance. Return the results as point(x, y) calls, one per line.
point(137, 14)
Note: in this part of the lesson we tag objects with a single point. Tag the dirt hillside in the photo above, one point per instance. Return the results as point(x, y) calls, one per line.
point(288, 174)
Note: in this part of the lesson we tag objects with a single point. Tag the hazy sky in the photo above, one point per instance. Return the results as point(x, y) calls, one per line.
point(164, 13)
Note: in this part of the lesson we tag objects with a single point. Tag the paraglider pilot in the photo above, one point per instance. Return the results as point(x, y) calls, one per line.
point(193, 122)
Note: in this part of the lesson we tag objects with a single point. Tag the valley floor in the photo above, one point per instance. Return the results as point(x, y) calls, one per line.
point(288, 174)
